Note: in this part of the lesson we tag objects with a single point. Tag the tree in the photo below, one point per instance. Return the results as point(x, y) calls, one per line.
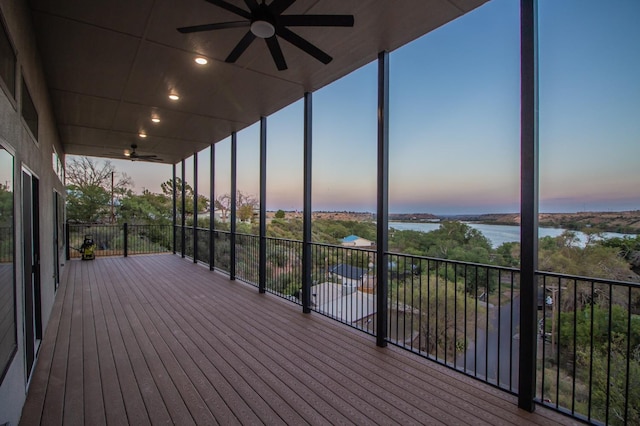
point(88, 204)
point(245, 206)
point(280, 214)
point(6, 223)
point(92, 188)
point(245, 213)
point(223, 203)
point(6, 206)
point(146, 208)
point(167, 190)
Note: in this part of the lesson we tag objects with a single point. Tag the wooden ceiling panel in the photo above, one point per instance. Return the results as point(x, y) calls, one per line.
point(123, 16)
point(218, 90)
point(135, 119)
point(84, 59)
point(82, 110)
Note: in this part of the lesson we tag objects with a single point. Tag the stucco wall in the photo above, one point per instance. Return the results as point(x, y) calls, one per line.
point(37, 158)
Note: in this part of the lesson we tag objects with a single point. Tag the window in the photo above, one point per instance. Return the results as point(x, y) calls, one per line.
point(7, 270)
point(57, 165)
point(7, 62)
point(29, 112)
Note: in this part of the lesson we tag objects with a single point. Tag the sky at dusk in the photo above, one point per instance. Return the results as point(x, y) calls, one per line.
point(455, 121)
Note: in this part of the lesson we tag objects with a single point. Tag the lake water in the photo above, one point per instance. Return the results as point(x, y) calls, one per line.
point(497, 234)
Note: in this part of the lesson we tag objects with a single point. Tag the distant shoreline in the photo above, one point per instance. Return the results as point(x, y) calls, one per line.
point(624, 222)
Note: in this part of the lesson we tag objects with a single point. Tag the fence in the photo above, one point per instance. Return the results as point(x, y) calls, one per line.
point(6, 244)
point(589, 351)
point(462, 315)
point(119, 240)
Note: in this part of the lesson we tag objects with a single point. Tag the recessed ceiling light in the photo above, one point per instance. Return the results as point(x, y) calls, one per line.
point(155, 119)
point(201, 61)
point(174, 97)
point(142, 135)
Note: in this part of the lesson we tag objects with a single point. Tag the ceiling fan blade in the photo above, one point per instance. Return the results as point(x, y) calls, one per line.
point(276, 53)
point(316, 20)
point(231, 8)
point(252, 5)
point(149, 160)
point(210, 27)
point(240, 47)
point(303, 44)
point(278, 6)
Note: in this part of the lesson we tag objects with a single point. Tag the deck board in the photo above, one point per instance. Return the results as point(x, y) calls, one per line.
point(155, 339)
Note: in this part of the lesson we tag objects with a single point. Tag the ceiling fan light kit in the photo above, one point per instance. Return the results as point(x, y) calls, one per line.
point(262, 29)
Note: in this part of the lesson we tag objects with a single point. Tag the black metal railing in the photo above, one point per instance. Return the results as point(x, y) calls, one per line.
point(462, 315)
point(222, 255)
point(284, 268)
point(188, 241)
point(119, 240)
point(247, 254)
point(6, 244)
point(589, 351)
point(202, 237)
point(343, 285)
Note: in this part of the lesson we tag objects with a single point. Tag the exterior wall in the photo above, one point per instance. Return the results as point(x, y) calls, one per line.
point(37, 158)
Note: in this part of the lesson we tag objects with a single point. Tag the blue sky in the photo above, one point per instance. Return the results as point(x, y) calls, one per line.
point(455, 121)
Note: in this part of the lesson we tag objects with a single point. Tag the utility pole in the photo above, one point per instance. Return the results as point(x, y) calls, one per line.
point(113, 217)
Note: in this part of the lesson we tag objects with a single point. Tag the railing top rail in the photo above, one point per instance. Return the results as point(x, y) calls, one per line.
point(221, 231)
point(89, 225)
point(456, 262)
point(247, 235)
point(289, 240)
point(581, 278)
point(344, 247)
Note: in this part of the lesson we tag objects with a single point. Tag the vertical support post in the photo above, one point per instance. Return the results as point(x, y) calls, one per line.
point(212, 205)
point(195, 207)
point(528, 204)
point(175, 219)
point(306, 210)
point(382, 218)
point(234, 200)
point(262, 262)
point(66, 242)
point(125, 231)
point(183, 205)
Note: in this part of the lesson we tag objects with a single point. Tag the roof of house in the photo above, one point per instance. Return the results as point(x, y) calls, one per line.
point(348, 271)
point(351, 307)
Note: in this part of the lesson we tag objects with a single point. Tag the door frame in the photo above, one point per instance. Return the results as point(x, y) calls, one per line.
point(31, 255)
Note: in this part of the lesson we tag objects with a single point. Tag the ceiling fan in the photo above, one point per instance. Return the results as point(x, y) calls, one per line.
point(267, 22)
point(134, 156)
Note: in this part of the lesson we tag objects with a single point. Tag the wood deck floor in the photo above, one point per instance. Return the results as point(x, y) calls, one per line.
point(159, 340)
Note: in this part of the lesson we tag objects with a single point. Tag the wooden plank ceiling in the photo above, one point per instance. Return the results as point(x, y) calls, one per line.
point(110, 66)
